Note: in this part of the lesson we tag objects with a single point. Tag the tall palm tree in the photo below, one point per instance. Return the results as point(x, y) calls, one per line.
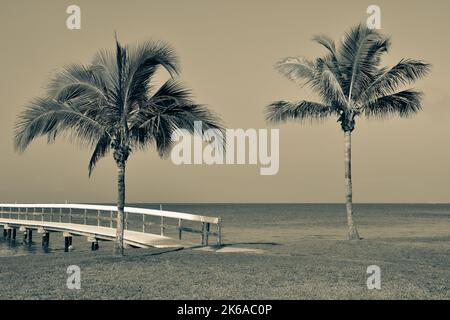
point(351, 82)
point(111, 105)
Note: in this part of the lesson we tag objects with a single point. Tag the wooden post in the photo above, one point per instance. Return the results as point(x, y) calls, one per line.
point(45, 239)
point(162, 226)
point(180, 228)
point(85, 216)
point(5, 233)
point(26, 214)
point(94, 246)
point(207, 227)
point(42, 216)
point(70, 215)
point(29, 236)
point(98, 218)
point(111, 220)
point(51, 214)
point(60, 215)
point(219, 233)
point(67, 242)
point(94, 243)
point(8, 235)
point(14, 232)
point(203, 233)
point(126, 220)
point(143, 223)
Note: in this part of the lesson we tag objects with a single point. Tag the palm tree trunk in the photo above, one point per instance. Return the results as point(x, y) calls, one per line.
point(119, 249)
point(352, 231)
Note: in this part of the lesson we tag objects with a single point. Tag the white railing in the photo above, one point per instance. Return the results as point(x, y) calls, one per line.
point(136, 219)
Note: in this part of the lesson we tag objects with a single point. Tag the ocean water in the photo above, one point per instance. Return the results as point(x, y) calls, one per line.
point(284, 224)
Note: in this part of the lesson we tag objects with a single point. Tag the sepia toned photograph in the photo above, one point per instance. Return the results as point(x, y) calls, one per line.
point(242, 152)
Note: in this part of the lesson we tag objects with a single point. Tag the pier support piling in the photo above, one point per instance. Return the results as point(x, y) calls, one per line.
point(94, 243)
point(67, 243)
point(29, 236)
point(205, 233)
point(94, 246)
point(45, 239)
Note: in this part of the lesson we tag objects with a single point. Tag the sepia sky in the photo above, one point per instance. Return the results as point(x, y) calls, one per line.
point(227, 51)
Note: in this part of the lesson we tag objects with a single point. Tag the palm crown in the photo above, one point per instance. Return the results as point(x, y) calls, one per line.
point(111, 104)
point(350, 81)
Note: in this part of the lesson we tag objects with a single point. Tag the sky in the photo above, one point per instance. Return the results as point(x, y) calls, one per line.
point(227, 50)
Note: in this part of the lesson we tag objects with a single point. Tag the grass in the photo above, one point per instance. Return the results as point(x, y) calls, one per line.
point(310, 263)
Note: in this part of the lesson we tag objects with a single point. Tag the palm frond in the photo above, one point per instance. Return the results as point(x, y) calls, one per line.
point(105, 64)
point(171, 90)
point(101, 149)
point(169, 110)
point(389, 80)
point(326, 42)
point(46, 116)
point(404, 103)
point(296, 69)
point(330, 45)
point(143, 61)
point(327, 82)
point(76, 81)
point(281, 111)
point(378, 48)
point(356, 48)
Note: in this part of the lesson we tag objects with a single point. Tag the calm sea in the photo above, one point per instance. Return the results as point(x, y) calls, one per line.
point(253, 223)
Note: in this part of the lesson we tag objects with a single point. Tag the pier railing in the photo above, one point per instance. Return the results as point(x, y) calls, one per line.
point(136, 219)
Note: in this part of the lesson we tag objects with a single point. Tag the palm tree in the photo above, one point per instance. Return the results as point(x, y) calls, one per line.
point(351, 82)
point(111, 105)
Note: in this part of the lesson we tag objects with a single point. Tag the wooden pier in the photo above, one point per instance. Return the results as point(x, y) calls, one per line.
point(97, 223)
